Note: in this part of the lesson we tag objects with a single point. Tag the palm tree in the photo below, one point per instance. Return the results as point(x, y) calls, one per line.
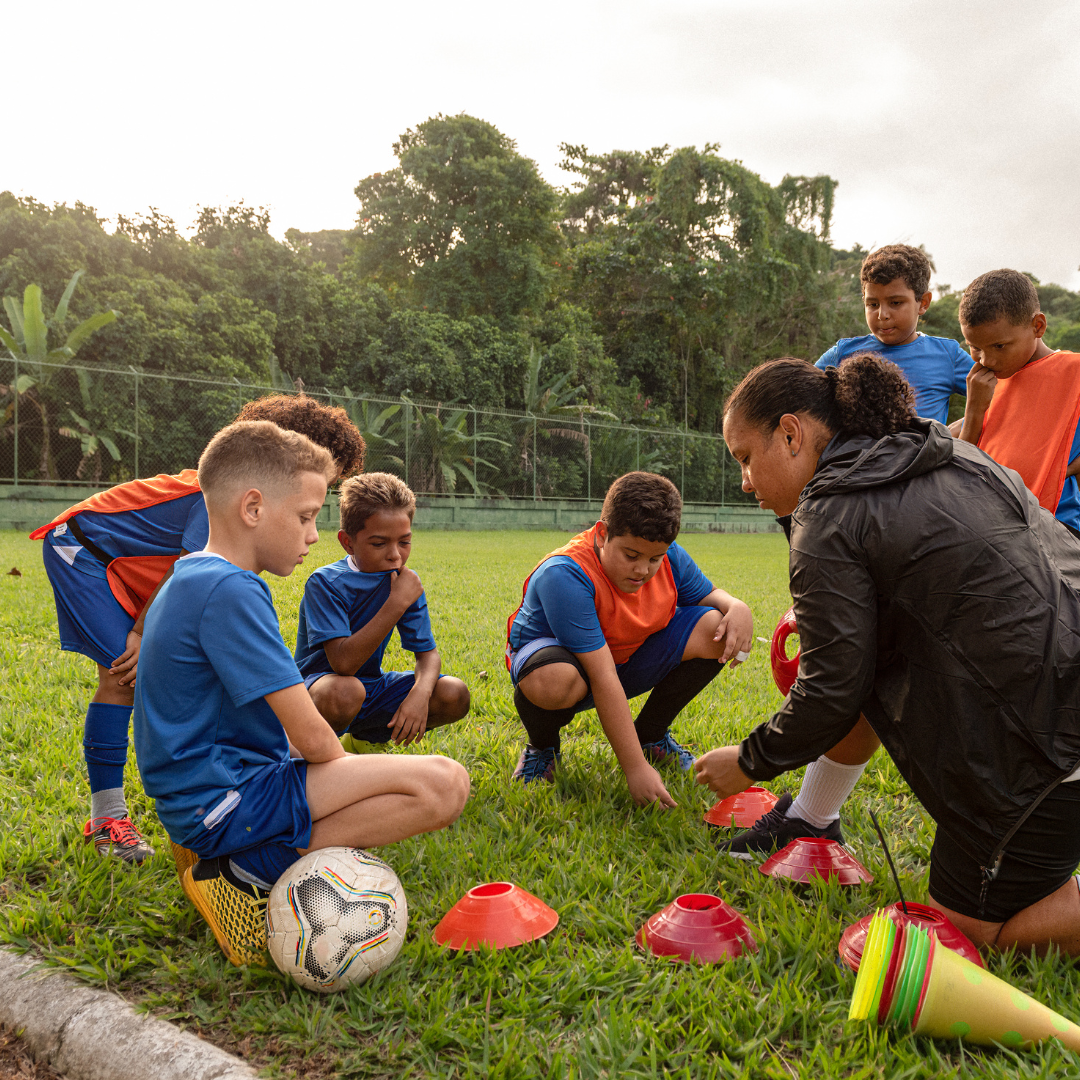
point(27, 342)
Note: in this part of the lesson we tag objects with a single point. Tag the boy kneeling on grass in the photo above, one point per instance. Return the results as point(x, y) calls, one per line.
point(620, 610)
point(348, 613)
point(247, 775)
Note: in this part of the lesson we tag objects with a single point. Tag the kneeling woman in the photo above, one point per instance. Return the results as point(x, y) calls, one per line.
point(935, 597)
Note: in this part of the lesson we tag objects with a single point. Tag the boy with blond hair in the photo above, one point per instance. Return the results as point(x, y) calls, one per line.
point(246, 773)
point(349, 611)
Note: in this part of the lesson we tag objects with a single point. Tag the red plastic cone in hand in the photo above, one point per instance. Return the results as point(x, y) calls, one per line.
point(742, 810)
point(697, 926)
point(810, 857)
point(497, 914)
point(784, 668)
point(853, 939)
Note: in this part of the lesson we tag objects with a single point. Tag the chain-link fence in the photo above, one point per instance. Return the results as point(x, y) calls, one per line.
point(100, 426)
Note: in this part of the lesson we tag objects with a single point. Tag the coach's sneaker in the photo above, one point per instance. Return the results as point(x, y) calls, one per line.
point(234, 910)
point(775, 830)
point(119, 837)
point(183, 857)
point(667, 749)
point(537, 764)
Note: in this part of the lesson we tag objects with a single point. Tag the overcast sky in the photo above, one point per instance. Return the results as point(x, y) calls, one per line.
point(951, 124)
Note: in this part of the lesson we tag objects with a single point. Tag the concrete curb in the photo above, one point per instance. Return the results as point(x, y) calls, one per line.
point(89, 1034)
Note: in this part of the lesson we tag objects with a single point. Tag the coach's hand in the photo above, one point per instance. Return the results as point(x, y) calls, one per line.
point(126, 664)
point(719, 770)
point(646, 787)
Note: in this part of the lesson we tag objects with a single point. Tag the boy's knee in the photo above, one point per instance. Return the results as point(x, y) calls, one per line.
point(702, 643)
point(447, 789)
point(338, 699)
point(456, 698)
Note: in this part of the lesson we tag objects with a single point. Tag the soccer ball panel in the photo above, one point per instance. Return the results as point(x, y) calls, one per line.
point(335, 917)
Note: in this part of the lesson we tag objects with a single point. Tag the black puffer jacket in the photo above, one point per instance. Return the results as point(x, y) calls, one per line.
point(933, 594)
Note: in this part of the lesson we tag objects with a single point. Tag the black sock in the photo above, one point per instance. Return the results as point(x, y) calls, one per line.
point(674, 691)
point(205, 869)
point(542, 725)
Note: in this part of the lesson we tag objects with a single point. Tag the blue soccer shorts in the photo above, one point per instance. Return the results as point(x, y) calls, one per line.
point(90, 619)
point(657, 656)
point(385, 694)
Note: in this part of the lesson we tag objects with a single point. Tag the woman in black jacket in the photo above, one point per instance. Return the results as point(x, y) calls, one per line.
point(935, 598)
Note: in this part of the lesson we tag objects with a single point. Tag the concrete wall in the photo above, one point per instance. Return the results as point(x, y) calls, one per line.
point(26, 507)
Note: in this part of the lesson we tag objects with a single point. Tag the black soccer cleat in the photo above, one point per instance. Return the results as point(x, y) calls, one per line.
point(773, 831)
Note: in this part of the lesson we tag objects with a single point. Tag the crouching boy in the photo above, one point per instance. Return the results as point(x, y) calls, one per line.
point(620, 610)
point(348, 613)
point(246, 774)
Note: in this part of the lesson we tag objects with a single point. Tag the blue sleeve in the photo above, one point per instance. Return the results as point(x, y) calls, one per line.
point(692, 584)
point(414, 627)
point(829, 358)
point(1074, 450)
point(196, 528)
point(240, 635)
point(962, 364)
point(567, 597)
point(326, 614)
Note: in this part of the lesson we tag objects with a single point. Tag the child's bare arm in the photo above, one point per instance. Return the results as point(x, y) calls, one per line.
point(410, 720)
point(981, 383)
point(308, 732)
point(348, 654)
point(614, 711)
point(737, 625)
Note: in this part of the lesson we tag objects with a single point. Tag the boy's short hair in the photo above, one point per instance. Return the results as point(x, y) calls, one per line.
point(259, 454)
point(999, 294)
point(898, 261)
point(326, 425)
point(362, 496)
point(643, 504)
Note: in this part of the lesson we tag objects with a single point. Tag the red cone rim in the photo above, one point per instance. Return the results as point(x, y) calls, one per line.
point(785, 669)
point(853, 939)
point(743, 809)
point(497, 914)
point(811, 856)
point(697, 927)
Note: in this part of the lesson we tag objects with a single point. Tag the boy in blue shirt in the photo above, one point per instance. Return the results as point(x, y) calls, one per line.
point(349, 611)
point(245, 771)
point(896, 294)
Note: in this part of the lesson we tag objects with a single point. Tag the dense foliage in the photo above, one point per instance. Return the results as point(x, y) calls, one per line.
point(643, 290)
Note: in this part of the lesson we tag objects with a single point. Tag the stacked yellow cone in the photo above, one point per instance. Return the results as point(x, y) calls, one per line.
point(908, 977)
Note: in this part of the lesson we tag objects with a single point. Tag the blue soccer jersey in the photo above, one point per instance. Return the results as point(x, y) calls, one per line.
point(338, 601)
point(560, 602)
point(936, 367)
point(166, 528)
point(211, 651)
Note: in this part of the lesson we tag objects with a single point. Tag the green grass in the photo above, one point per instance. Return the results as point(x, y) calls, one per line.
point(581, 1003)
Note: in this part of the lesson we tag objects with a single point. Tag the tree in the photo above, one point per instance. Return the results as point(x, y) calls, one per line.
point(27, 343)
point(464, 225)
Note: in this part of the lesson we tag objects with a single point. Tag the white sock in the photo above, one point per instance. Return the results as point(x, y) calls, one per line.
point(825, 787)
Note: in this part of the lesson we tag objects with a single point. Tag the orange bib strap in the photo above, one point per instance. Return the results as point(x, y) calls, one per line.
point(1031, 423)
point(134, 495)
point(626, 619)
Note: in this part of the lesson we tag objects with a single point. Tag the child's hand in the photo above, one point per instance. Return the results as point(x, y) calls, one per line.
point(646, 787)
point(405, 587)
point(410, 720)
point(736, 630)
point(981, 383)
point(126, 664)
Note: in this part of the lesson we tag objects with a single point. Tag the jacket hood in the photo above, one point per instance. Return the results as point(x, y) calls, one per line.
point(858, 462)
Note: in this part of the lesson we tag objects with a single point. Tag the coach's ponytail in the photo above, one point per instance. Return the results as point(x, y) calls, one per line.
point(865, 395)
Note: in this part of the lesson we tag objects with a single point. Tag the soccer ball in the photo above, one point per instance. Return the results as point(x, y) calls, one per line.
point(335, 917)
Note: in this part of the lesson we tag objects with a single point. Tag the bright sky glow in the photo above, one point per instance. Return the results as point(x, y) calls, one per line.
point(951, 123)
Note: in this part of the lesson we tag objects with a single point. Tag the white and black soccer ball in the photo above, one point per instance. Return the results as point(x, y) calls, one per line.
point(335, 917)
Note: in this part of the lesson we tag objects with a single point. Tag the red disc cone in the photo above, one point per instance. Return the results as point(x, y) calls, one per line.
point(742, 810)
point(853, 939)
point(498, 914)
point(697, 926)
point(811, 857)
point(784, 668)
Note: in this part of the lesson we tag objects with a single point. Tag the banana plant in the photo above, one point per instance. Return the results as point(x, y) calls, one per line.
point(381, 432)
point(27, 342)
point(92, 437)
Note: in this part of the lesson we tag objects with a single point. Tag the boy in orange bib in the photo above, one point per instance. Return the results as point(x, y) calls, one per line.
point(1023, 402)
point(620, 610)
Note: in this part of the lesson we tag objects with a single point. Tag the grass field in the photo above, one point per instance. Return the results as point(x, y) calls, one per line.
point(581, 1003)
